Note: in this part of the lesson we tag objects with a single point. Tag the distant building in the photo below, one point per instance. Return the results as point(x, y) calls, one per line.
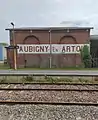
point(3, 53)
point(41, 46)
point(94, 49)
point(94, 45)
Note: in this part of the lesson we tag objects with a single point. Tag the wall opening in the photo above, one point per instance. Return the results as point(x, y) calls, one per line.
point(31, 60)
point(67, 60)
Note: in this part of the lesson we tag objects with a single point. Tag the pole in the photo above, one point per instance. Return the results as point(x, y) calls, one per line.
point(15, 64)
point(50, 63)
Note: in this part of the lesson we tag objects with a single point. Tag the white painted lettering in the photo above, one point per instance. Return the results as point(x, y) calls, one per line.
point(45, 48)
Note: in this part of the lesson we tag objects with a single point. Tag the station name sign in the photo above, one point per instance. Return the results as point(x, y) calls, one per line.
point(47, 48)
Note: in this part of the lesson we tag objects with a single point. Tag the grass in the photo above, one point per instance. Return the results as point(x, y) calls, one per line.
point(46, 79)
point(58, 68)
point(6, 67)
point(2, 66)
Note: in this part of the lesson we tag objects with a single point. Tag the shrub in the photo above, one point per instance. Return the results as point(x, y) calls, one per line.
point(85, 56)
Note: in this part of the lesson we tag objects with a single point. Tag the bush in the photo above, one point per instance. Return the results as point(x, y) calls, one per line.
point(85, 55)
point(29, 78)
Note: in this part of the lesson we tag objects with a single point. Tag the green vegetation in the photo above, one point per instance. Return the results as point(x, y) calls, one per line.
point(67, 68)
point(4, 66)
point(85, 56)
point(48, 79)
point(4, 44)
point(28, 78)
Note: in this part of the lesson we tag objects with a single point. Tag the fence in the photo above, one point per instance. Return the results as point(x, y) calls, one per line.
point(94, 62)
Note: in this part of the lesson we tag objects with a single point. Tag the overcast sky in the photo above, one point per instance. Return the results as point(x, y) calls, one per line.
point(47, 13)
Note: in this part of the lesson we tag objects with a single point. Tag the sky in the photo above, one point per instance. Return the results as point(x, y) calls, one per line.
point(29, 13)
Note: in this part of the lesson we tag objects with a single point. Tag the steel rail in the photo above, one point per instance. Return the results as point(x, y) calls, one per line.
point(49, 89)
point(49, 103)
point(91, 84)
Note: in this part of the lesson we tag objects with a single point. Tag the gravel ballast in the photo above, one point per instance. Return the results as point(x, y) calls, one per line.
point(38, 86)
point(50, 96)
point(48, 112)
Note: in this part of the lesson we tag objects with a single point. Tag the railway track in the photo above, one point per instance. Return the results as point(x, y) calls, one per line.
point(63, 94)
point(49, 87)
point(48, 103)
point(49, 83)
point(63, 99)
point(52, 89)
point(48, 95)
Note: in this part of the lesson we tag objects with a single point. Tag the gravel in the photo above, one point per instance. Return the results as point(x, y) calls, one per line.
point(34, 86)
point(50, 96)
point(48, 112)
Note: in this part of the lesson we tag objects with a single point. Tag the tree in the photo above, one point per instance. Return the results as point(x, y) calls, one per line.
point(85, 55)
point(4, 44)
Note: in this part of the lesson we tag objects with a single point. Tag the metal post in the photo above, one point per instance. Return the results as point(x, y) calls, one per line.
point(15, 64)
point(50, 63)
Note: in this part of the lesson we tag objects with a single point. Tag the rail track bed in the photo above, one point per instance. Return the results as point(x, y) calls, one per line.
point(54, 102)
point(47, 103)
point(58, 96)
point(48, 112)
point(49, 94)
point(45, 86)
